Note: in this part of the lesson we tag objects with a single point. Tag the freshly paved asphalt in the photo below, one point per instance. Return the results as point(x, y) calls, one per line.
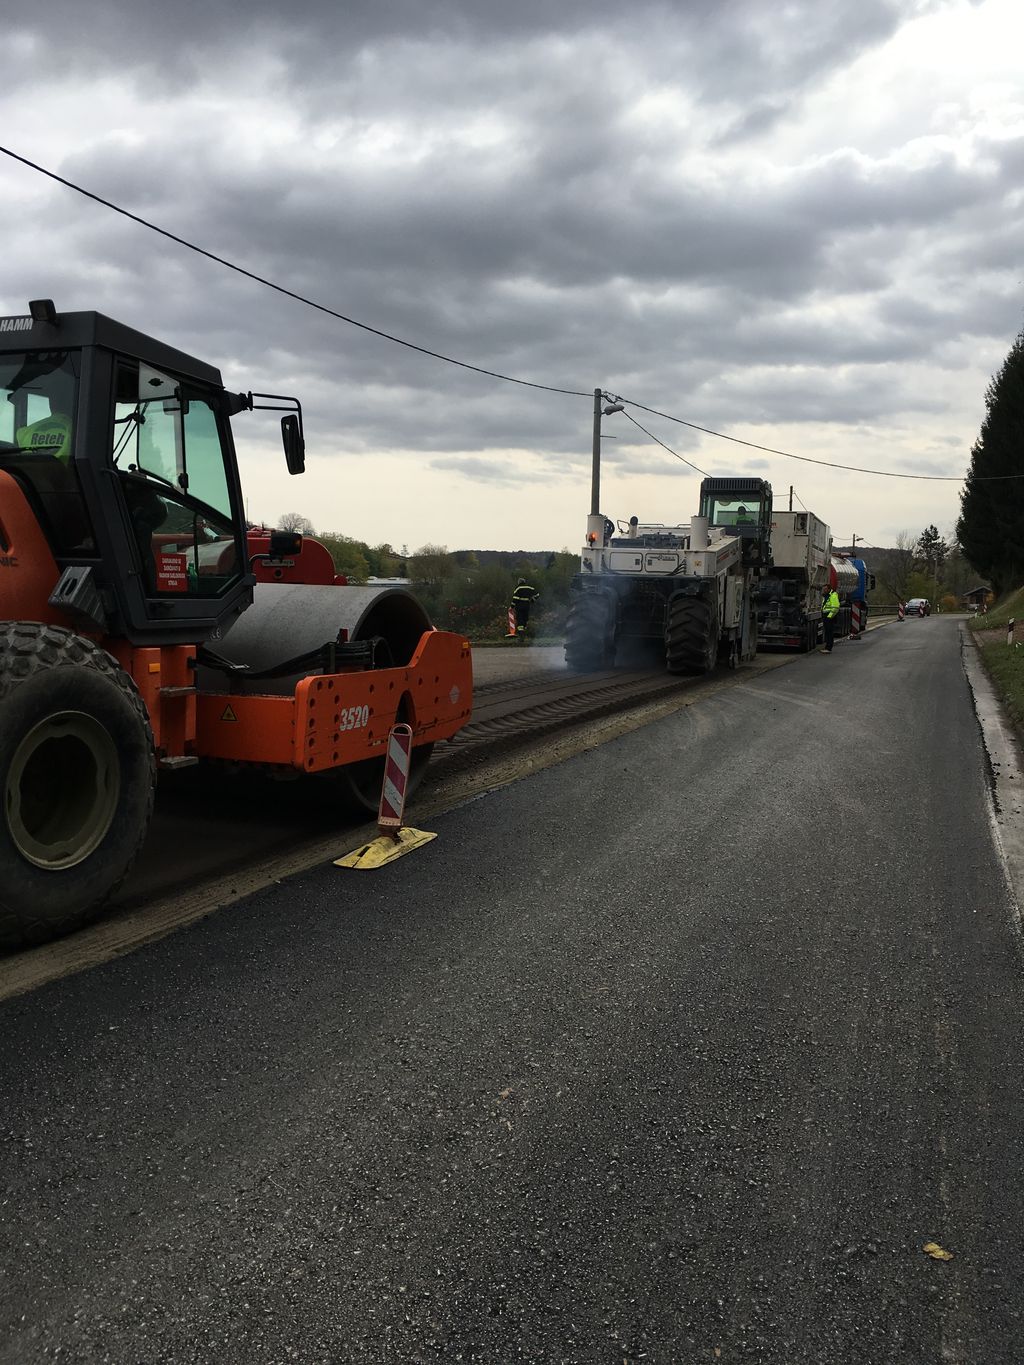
point(681, 1051)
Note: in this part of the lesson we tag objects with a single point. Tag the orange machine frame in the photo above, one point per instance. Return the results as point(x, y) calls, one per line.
point(330, 720)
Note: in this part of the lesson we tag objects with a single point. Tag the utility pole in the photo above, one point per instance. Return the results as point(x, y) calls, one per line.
point(855, 539)
point(595, 471)
point(791, 497)
point(595, 467)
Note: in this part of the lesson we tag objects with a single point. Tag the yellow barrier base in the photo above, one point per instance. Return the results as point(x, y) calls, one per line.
point(385, 849)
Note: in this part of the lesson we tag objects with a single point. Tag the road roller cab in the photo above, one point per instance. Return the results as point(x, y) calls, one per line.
point(133, 633)
point(122, 446)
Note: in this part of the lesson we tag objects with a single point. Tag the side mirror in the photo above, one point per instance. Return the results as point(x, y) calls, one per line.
point(294, 445)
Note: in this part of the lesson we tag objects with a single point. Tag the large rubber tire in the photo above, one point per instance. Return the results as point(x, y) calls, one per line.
point(357, 786)
point(691, 636)
point(589, 634)
point(77, 780)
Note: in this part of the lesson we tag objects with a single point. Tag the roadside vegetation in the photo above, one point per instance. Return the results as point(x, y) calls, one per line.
point(926, 566)
point(463, 590)
point(1004, 662)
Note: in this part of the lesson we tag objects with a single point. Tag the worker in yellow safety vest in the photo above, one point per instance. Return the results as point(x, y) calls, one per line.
point(829, 612)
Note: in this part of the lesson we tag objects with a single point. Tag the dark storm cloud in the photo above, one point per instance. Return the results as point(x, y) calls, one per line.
point(541, 190)
point(724, 46)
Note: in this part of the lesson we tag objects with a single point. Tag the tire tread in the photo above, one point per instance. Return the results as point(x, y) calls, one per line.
point(27, 650)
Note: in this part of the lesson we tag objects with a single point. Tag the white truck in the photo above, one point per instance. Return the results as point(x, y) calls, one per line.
point(790, 593)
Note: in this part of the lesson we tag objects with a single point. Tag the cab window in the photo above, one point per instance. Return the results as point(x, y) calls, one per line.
point(168, 452)
point(734, 511)
point(38, 406)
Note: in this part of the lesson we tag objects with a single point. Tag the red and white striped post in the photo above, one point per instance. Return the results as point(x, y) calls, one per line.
point(393, 839)
point(855, 621)
point(396, 781)
point(901, 612)
point(511, 621)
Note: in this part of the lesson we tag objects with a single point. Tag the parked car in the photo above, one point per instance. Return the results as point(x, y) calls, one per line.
point(919, 606)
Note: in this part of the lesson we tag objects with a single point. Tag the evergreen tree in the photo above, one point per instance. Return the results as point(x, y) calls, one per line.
point(933, 550)
point(991, 525)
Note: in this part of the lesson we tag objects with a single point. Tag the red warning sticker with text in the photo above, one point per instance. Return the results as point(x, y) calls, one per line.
point(172, 573)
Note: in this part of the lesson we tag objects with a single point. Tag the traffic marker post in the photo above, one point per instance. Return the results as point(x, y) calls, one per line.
point(855, 621)
point(510, 634)
point(1009, 632)
point(901, 612)
point(393, 839)
point(396, 779)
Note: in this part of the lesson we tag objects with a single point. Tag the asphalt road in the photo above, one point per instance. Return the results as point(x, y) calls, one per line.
point(680, 1051)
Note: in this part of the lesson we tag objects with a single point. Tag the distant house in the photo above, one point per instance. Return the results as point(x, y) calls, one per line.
point(977, 599)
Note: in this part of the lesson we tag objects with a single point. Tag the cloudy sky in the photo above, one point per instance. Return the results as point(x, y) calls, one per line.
point(796, 222)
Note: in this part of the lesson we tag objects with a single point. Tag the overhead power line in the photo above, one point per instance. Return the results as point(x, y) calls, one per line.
point(280, 289)
point(805, 459)
point(465, 365)
point(663, 445)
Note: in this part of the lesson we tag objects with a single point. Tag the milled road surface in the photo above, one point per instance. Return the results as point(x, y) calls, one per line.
point(680, 1051)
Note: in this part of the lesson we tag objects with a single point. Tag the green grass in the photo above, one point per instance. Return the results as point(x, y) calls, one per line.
point(1006, 669)
point(1004, 663)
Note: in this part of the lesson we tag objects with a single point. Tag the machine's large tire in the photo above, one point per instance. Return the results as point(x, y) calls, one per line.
point(589, 634)
point(691, 636)
point(358, 785)
point(77, 780)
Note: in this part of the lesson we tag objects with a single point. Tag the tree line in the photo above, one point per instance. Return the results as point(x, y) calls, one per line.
point(923, 566)
point(462, 590)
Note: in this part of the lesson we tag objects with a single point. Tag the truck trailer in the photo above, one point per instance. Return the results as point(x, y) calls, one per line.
point(789, 594)
point(849, 575)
